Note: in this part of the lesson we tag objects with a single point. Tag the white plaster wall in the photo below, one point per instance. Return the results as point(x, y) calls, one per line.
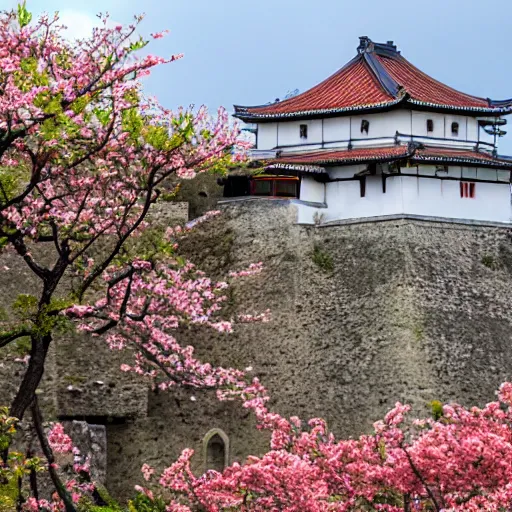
point(336, 129)
point(309, 214)
point(311, 190)
point(487, 174)
point(419, 124)
point(384, 124)
point(438, 198)
point(462, 127)
point(267, 135)
point(333, 131)
point(485, 137)
point(472, 128)
point(289, 132)
point(344, 199)
point(418, 196)
point(459, 172)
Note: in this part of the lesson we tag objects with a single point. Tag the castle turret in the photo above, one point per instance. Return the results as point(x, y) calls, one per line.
point(381, 138)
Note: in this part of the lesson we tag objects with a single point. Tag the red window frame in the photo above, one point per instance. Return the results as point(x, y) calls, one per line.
point(467, 189)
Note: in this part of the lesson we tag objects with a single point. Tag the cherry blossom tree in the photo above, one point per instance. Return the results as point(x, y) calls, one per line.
point(84, 156)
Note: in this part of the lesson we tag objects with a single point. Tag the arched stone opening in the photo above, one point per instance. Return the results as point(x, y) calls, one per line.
point(215, 450)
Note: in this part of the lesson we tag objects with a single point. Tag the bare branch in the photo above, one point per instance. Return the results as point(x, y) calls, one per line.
point(11, 336)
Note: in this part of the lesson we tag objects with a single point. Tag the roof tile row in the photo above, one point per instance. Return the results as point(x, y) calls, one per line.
point(386, 154)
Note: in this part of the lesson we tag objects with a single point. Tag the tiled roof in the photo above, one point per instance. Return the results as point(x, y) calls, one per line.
point(314, 161)
point(350, 86)
point(377, 78)
point(345, 156)
point(424, 89)
point(431, 154)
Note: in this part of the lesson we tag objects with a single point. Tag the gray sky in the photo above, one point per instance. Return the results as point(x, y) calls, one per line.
point(253, 51)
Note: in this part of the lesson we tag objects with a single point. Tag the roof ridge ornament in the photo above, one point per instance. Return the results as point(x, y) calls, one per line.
point(365, 45)
point(387, 49)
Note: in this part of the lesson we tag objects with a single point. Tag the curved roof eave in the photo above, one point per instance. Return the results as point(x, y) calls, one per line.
point(244, 115)
point(370, 109)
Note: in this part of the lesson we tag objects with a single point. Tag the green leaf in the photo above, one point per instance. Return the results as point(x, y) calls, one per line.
point(24, 16)
point(80, 103)
point(28, 65)
point(138, 45)
point(25, 305)
point(132, 122)
point(157, 136)
point(103, 115)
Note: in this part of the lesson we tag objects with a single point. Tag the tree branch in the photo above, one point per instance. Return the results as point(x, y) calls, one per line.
point(48, 453)
point(419, 476)
point(8, 337)
point(18, 243)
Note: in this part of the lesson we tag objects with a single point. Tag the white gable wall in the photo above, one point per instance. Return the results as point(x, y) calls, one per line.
point(419, 124)
point(384, 124)
point(472, 128)
point(462, 120)
point(336, 129)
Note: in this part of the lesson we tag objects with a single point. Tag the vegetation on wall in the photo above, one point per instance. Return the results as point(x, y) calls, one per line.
point(322, 259)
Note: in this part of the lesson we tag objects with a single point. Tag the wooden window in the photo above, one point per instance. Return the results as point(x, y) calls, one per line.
point(455, 129)
point(279, 186)
point(262, 188)
point(430, 125)
point(303, 131)
point(235, 186)
point(467, 189)
point(285, 188)
point(365, 126)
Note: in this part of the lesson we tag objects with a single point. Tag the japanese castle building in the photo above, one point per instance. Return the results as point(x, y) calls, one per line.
point(381, 138)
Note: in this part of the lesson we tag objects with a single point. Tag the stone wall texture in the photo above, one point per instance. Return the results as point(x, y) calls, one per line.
point(364, 314)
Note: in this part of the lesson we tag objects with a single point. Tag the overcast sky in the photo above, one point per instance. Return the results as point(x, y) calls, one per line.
point(253, 51)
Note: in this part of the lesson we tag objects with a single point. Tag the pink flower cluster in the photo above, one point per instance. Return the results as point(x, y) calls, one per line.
point(461, 461)
point(145, 304)
point(59, 441)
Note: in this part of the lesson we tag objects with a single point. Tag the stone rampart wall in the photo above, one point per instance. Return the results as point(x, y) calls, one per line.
point(363, 315)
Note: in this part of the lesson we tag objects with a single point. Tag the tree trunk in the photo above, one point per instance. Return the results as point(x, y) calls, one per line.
point(32, 377)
